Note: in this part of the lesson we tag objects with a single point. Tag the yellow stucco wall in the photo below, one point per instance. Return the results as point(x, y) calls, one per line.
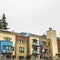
point(44, 39)
point(30, 43)
point(17, 49)
point(51, 34)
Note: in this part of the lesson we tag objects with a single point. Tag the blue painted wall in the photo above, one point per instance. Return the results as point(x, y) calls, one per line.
point(4, 44)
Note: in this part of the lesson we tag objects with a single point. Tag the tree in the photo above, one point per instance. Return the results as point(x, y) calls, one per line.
point(0, 24)
point(4, 23)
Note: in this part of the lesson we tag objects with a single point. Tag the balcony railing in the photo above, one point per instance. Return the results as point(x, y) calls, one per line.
point(35, 52)
point(7, 51)
point(35, 44)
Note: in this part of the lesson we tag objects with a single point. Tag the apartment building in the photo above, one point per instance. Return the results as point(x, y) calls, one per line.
point(28, 46)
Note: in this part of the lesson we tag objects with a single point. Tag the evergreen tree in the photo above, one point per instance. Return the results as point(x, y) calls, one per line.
point(0, 24)
point(4, 23)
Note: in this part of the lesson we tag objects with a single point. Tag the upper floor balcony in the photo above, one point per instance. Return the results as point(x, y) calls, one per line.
point(35, 52)
point(35, 44)
point(4, 51)
point(6, 46)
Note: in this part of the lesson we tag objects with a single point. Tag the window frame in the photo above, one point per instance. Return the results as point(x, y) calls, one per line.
point(21, 49)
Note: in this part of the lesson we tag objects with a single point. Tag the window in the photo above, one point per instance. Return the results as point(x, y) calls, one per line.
point(46, 51)
point(7, 38)
point(20, 41)
point(46, 58)
point(21, 49)
point(44, 43)
point(13, 48)
point(7, 47)
point(35, 40)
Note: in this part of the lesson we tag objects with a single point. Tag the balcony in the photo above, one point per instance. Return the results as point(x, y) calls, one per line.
point(7, 51)
point(35, 44)
point(35, 52)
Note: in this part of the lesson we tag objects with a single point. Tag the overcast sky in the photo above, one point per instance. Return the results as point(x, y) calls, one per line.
point(33, 16)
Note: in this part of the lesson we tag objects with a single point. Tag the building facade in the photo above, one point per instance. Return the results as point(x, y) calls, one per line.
point(21, 47)
point(34, 48)
point(46, 49)
point(9, 36)
point(26, 46)
point(51, 34)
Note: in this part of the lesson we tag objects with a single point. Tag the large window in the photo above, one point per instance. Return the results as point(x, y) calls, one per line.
point(7, 38)
point(34, 40)
point(44, 43)
point(8, 47)
point(21, 49)
point(20, 41)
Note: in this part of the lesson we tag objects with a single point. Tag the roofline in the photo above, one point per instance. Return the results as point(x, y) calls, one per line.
point(12, 32)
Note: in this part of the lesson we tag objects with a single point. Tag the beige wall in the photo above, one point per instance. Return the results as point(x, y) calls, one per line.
point(51, 34)
point(30, 43)
point(17, 49)
point(12, 36)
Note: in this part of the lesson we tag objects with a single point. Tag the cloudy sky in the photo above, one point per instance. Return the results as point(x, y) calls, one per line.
point(33, 16)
